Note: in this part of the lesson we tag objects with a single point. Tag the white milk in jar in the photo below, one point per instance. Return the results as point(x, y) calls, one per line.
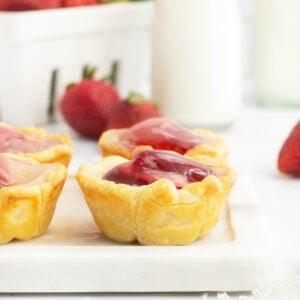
point(277, 52)
point(196, 74)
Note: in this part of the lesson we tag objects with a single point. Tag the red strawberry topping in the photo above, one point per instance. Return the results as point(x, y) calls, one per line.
point(162, 133)
point(148, 166)
point(5, 176)
point(289, 155)
point(12, 141)
point(15, 172)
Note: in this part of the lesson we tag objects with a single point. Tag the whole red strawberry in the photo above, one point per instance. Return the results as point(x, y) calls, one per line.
point(71, 3)
point(2, 4)
point(22, 5)
point(289, 155)
point(85, 106)
point(131, 111)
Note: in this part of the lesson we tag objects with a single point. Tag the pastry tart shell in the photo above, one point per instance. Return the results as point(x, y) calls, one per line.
point(158, 213)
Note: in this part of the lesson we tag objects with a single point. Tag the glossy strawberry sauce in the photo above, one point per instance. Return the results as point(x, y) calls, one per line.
point(162, 133)
point(12, 141)
point(148, 166)
point(16, 172)
point(5, 174)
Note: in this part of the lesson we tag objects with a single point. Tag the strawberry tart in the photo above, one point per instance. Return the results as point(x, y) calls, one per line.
point(28, 195)
point(162, 134)
point(35, 143)
point(157, 198)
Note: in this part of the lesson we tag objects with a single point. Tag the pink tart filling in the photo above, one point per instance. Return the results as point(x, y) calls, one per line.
point(163, 134)
point(148, 166)
point(5, 174)
point(12, 141)
point(16, 172)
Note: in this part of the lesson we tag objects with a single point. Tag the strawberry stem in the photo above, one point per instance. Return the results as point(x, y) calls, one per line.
point(107, 78)
point(90, 72)
point(135, 98)
point(69, 85)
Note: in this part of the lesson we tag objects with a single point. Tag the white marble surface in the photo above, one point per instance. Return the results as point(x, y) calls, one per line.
point(73, 256)
point(255, 141)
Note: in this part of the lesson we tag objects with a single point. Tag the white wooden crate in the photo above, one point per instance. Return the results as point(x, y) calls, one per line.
point(34, 46)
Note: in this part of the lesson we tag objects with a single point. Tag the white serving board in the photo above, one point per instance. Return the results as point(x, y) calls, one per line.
point(73, 256)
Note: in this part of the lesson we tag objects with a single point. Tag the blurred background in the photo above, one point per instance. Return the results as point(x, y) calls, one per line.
point(247, 16)
point(41, 52)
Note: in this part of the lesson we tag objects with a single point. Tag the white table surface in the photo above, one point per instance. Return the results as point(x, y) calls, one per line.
point(255, 140)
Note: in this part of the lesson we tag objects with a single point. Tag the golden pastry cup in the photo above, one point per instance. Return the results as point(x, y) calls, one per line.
point(214, 145)
point(27, 210)
point(60, 153)
point(158, 213)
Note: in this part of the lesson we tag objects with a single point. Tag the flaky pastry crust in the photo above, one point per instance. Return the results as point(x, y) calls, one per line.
point(158, 213)
point(60, 153)
point(27, 210)
point(214, 145)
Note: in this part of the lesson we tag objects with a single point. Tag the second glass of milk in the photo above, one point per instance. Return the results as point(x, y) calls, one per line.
point(196, 71)
point(277, 52)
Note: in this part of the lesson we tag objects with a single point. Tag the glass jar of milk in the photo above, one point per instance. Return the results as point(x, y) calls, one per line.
point(196, 66)
point(277, 52)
